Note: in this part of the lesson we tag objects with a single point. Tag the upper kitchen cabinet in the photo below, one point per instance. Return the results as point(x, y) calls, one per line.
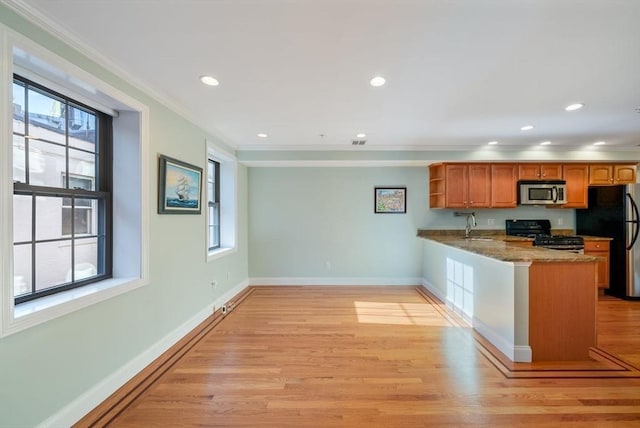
point(459, 185)
point(610, 174)
point(577, 179)
point(436, 186)
point(504, 178)
point(536, 171)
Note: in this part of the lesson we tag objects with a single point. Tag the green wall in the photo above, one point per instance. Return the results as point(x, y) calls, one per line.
point(44, 368)
point(302, 218)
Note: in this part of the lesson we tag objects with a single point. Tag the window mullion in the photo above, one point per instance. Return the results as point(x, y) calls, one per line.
point(33, 242)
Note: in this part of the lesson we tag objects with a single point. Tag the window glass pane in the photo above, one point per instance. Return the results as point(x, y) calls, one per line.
point(83, 216)
point(19, 160)
point(83, 163)
point(18, 109)
point(48, 217)
point(21, 269)
point(86, 258)
point(82, 129)
point(46, 163)
point(53, 264)
point(46, 117)
point(21, 218)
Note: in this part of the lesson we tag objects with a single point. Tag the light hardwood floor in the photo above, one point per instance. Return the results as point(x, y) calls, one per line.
point(372, 357)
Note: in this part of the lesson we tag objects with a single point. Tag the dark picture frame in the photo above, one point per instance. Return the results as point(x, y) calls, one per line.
point(179, 187)
point(390, 200)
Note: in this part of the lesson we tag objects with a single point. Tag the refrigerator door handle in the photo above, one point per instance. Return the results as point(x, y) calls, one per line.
point(634, 221)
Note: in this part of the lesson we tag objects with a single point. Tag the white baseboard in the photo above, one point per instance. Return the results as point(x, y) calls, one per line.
point(434, 290)
point(82, 405)
point(517, 353)
point(289, 281)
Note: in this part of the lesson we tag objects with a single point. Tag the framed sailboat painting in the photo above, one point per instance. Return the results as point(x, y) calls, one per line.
point(179, 187)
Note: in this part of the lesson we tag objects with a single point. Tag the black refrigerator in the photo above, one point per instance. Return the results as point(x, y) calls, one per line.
point(613, 212)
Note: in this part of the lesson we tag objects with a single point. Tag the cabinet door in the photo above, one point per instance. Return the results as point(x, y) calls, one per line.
point(503, 185)
point(624, 174)
point(577, 178)
point(600, 174)
point(551, 171)
point(599, 249)
point(529, 171)
point(456, 176)
point(479, 185)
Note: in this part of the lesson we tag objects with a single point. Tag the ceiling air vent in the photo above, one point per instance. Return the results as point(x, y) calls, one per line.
point(358, 142)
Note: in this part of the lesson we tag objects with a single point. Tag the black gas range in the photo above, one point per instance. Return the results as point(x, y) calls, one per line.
point(540, 231)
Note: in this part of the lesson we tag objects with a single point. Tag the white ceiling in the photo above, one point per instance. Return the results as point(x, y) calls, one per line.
point(459, 73)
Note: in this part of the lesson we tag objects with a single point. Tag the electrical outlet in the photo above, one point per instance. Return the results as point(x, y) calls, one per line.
point(327, 265)
point(228, 276)
point(214, 284)
point(491, 221)
point(560, 221)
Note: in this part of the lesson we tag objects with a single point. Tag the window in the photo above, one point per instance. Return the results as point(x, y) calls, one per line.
point(72, 197)
point(213, 192)
point(62, 192)
point(222, 171)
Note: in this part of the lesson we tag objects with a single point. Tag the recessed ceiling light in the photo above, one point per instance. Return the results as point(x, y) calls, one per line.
point(492, 143)
point(573, 107)
point(209, 80)
point(527, 128)
point(599, 143)
point(361, 135)
point(545, 143)
point(262, 135)
point(377, 81)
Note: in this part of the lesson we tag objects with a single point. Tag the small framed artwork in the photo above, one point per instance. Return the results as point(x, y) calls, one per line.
point(179, 187)
point(390, 200)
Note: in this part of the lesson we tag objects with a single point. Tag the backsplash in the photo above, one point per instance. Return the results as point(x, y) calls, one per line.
point(488, 219)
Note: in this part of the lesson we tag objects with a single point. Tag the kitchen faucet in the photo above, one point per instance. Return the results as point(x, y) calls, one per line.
point(471, 221)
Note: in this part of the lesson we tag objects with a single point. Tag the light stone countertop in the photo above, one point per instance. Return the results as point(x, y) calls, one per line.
point(501, 247)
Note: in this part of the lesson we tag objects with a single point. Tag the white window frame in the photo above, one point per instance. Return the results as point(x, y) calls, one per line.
point(228, 201)
point(130, 160)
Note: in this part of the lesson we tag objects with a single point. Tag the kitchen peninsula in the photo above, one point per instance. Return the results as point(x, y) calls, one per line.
point(532, 304)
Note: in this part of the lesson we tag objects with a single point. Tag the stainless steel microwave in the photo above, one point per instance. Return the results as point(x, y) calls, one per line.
point(542, 192)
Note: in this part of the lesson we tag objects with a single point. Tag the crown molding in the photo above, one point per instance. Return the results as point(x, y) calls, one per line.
point(335, 163)
point(38, 19)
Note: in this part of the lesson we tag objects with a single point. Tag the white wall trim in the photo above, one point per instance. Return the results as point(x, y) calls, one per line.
point(434, 290)
point(293, 281)
point(335, 163)
point(517, 353)
point(82, 405)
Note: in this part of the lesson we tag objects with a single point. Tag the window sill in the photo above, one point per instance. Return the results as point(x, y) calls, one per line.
point(35, 312)
point(220, 252)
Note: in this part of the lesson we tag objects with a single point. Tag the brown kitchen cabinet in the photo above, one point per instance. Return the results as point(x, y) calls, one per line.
point(540, 171)
point(436, 186)
point(577, 179)
point(611, 174)
point(467, 185)
point(599, 248)
point(504, 182)
point(459, 185)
